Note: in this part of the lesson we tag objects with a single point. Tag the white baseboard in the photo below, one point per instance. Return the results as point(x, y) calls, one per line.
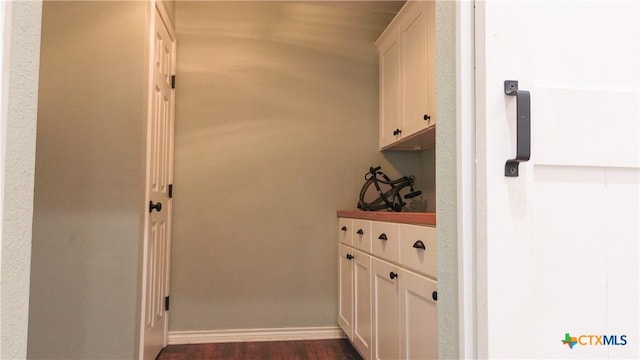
point(245, 335)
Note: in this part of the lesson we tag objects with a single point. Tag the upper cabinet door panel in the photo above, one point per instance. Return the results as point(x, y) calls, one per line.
point(389, 90)
point(415, 73)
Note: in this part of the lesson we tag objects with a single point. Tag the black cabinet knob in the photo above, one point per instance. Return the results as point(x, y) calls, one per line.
point(383, 236)
point(393, 275)
point(157, 206)
point(349, 257)
point(427, 117)
point(360, 232)
point(344, 228)
point(419, 245)
point(434, 295)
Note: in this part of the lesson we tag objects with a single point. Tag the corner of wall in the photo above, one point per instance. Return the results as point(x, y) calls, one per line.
point(20, 90)
point(445, 156)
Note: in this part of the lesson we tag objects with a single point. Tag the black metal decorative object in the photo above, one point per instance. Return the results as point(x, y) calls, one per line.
point(388, 191)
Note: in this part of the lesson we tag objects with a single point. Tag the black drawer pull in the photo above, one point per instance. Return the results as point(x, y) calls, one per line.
point(393, 275)
point(349, 257)
point(383, 236)
point(360, 232)
point(419, 245)
point(434, 295)
point(344, 228)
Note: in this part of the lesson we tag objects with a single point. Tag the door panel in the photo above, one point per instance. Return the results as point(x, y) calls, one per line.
point(160, 169)
point(606, 133)
point(557, 245)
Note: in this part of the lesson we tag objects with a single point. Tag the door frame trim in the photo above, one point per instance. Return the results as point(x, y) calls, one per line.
point(466, 179)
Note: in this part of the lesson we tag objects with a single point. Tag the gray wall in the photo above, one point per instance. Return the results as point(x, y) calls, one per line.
point(276, 124)
point(17, 144)
point(446, 181)
point(89, 183)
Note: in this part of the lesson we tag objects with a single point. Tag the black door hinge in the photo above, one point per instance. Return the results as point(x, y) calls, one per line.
point(166, 303)
point(173, 81)
point(170, 191)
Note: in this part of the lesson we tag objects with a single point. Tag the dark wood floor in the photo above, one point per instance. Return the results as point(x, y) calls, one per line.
point(339, 349)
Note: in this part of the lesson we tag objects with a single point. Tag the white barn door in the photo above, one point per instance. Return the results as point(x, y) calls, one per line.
point(557, 246)
point(157, 243)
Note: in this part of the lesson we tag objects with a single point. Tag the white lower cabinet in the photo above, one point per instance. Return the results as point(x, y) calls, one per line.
point(404, 313)
point(362, 304)
point(386, 310)
point(345, 289)
point(387, 307)
point(354, 304)
point(418, 317)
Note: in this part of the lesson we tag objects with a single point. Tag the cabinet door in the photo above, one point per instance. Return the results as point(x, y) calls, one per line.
point(419, 317)
point(417, 73)
point(362, 304)
point(345, 290)
point(389, 62)
point(345, 231)
point(418, 248)
point(386, 310)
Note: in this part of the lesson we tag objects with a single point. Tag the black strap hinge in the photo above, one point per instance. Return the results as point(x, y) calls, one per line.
point(166, 303)
point(173, 81)
point(170, 191)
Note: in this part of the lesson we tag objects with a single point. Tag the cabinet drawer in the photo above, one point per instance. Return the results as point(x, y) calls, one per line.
point(412, 240)
point(345, 231)
point(362, 234)
point(385, 242)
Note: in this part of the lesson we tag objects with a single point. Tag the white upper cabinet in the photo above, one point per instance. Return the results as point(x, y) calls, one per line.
point(389, 63)
point(407, 79)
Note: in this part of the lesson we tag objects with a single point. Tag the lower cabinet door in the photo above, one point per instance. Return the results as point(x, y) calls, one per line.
point(345, 290)
point(386, 310)
point(362, 303)
point(419, 317)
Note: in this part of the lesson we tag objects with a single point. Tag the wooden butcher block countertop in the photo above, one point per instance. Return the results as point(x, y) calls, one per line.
point(417, 218)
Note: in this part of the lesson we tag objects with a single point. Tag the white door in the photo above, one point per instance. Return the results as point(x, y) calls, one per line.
point(159, 179)
point(557, 246)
